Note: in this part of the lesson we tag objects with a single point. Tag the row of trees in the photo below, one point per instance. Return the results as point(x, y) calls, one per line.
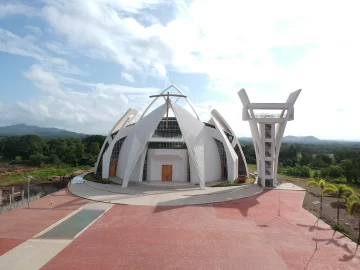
point(36, 150)
point(341, 192)
point(330, 161)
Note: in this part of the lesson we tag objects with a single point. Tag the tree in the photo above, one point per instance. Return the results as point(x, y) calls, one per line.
point(353, 206)
point(306, 159)
point(340, 191)
point(94, 148)
point(347, 169)
point(53, 159)
point(36, 159)
point(79, 149)
point(321, 184)
point(332, 171)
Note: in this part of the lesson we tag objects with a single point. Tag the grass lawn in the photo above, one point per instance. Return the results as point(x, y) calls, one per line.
point(252, 167)
point(40, 175)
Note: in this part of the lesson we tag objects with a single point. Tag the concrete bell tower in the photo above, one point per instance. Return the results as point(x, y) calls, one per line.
point(267, 123)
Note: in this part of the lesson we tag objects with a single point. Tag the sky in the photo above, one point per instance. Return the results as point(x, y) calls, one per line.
point(79, 65)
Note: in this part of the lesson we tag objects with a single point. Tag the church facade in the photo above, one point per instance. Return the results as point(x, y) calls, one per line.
point(180, 147)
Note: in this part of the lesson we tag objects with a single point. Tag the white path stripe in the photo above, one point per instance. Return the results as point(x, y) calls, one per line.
point(35, 253)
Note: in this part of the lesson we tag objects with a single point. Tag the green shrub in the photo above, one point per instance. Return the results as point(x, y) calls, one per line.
point(337, 228)
point(297, 171)
point(332, 171)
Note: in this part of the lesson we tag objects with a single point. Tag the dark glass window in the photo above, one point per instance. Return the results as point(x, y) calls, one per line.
point(114, 134)
point(209, 125)
point(188, 170)
point(173, 129)
point(129, 125)
point(229, 136)
point(167, 145)
point(241, 163)
point(267, 131)
point(144, 177)
point(116, 150)
point(223, 162)
point(99, 168)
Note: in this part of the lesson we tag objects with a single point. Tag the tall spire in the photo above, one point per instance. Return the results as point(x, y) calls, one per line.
point(167, 100)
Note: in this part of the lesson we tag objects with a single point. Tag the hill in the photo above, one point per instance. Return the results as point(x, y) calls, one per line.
point(22, 129)
point(301, 139)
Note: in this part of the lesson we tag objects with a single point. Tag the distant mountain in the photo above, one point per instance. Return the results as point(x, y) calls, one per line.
point(304, 140)
point(301, 139)
point(22, 129)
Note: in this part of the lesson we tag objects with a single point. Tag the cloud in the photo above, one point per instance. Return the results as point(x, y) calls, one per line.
point(105, 29)
point(93, 112)
point(128, 77)
point(10, 9)
point(45, 81)
point(13, 44)
point(234, 44)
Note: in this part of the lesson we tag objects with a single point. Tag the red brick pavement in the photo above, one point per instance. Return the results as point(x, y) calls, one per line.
point(20, 224)
point(241, 234)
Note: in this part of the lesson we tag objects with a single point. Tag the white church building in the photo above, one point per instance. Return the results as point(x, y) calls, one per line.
point(171, 144)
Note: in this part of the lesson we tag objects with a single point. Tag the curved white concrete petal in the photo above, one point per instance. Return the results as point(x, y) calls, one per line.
point(231, 156)
point(142, 131)
point(128, 115)
point(190, 128)
point(235, 142)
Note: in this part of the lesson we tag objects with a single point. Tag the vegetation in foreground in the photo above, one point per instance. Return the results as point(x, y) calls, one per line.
point(36, 151)
point(248, 181)
point(338, 163)
point(40, 175)
point(91, 177)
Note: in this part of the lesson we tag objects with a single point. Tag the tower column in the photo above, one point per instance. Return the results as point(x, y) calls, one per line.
point(267, 129)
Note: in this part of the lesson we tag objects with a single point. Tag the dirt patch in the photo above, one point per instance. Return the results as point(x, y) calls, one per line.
point(10, 169)
point(329, 209)
point(7, 169)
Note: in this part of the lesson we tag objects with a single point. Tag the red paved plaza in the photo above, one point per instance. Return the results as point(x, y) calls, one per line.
point(20, 224)
point(242, 234)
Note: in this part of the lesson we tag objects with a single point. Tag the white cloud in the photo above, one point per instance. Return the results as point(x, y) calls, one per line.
point(11, 43)
point(45, 81)
point(93, 112)
point(128, 77)
point(9, 9)
point(102, 28)
point(230, 42)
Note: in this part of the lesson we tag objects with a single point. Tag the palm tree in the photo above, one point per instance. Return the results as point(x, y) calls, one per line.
point(321, 184)
point(340, 191)
point(353, 206)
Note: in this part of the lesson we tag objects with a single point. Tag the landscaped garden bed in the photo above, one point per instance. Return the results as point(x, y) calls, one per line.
point(348, 224)
point(238, 182)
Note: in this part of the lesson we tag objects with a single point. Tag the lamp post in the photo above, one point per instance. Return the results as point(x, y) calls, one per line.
point(317, 221)
point(28, 195)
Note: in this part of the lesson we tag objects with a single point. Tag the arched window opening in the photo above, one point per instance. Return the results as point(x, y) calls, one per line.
point(223, 161)
point(241, 163)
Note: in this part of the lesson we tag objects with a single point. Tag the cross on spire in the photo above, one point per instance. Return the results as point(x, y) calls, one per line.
point(167, 96)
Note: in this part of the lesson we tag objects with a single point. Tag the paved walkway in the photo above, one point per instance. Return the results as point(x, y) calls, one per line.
point(288, 186)
point(170, 194)
point(248, 233)
point(20, 224)
point(37, 251)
